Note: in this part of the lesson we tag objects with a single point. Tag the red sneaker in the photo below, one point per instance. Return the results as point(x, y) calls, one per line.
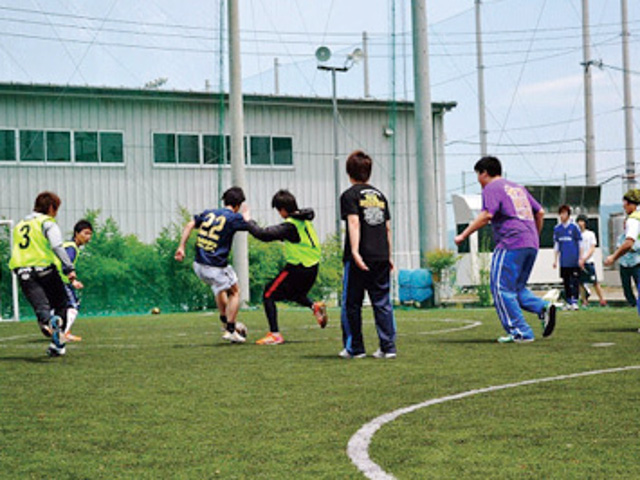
point(320, 312)
point(271, 339)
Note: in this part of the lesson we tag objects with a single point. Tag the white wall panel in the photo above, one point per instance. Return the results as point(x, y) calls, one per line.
point(143, 197)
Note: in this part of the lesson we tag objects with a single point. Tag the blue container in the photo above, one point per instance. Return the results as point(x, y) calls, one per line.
point(415, 285)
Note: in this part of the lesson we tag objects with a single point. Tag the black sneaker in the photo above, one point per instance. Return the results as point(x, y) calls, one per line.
point(548, 320)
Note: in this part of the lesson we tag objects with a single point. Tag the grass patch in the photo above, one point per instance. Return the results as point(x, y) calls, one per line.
point(164, 397)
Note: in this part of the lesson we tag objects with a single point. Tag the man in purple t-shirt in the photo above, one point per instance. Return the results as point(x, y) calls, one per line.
point(516, 219)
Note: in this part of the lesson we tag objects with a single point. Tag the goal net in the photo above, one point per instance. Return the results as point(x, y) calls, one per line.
point(9, 309)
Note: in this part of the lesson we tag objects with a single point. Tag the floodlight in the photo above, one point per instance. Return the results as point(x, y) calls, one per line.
point(356, 55)
point(323, 54)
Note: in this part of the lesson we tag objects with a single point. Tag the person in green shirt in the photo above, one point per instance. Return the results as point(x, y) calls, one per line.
point(302, 254)
point(37, 246)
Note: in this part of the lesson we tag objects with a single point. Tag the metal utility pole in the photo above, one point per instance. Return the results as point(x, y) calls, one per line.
point(276, 76)
point(590, 162)
point(427, 196)
point(336, 157)
point(481, 102)
point(630, 169)
point(354, 57)
point(236, 114)
point(365, 64)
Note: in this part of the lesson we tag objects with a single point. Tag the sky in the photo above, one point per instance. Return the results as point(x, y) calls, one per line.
point(532, 55)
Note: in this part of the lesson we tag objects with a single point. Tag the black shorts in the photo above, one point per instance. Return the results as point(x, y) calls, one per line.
point(588, 274)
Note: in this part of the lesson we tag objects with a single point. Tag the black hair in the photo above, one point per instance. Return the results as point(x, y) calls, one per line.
point(491, 165)
point(582, 218)
point(82, 225)
point(284, 199)
point(233, 197)
point(564, 208)
point(359, 166)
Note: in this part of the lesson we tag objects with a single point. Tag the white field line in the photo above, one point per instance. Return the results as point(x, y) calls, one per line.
point(18, 337)
point(358, 447)
point(469, 324)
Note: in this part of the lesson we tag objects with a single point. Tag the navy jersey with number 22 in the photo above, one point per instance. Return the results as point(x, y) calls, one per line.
point(215, 235)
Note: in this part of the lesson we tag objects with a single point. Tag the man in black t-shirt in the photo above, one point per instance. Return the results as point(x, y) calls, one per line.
point(367, 261)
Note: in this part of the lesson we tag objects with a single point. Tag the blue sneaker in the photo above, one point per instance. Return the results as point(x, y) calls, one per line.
point(55, 322)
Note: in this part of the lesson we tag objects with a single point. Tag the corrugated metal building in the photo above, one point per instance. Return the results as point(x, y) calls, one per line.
point(140, 155)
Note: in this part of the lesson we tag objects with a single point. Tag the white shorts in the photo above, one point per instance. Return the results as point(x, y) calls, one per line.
point(219, 278)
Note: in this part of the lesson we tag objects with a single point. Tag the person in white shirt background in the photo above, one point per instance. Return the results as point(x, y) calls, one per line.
point(588, 245)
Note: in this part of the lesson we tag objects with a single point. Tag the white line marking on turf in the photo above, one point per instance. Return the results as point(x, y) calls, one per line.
point(358, 447)
point(469, 325)
point(603, 344)
point(17, 337)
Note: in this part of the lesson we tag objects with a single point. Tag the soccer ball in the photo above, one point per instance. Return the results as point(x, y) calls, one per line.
point(155, 310)
point(241, 328)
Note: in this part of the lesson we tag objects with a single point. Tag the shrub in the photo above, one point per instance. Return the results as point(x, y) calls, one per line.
point(439, 260)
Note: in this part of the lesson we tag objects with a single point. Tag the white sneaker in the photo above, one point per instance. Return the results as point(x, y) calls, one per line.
point(233, 337)
point(380, 354)
point(574, 306)
point(345, 354)
point(54, 351)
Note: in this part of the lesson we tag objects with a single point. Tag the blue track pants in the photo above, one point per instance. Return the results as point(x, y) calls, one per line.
point(510, 271)
point(376, 282)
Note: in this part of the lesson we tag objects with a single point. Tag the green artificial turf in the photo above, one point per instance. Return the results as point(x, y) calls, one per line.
point(162, 396)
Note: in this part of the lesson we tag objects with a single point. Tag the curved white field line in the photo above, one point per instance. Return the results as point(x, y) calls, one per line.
point(358, 447)
point(469, 325)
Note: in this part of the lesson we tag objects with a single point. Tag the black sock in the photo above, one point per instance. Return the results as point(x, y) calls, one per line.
point(223, 319)
point(272, 314)
point(231, 327)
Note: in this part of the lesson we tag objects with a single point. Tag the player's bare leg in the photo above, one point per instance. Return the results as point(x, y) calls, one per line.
point(221, 303)
point(233, 303)
point(232, 307)
point(598, 290)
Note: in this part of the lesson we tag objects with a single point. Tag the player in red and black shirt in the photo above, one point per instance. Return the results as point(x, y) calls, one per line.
point(367, 261)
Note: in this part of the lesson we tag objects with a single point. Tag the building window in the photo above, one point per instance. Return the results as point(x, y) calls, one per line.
point(111, 147)
point(31, 146)
point(98, 147)
point(188, 149)
point(213, 146)
point(260, 151)
point(86, 147)
point(7, 145)
point(164, 148)
point(58, 146)
point(282, 151)
point(52, 146)
point(175, 148)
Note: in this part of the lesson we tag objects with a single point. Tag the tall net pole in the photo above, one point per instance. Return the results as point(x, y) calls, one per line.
point(14, 279)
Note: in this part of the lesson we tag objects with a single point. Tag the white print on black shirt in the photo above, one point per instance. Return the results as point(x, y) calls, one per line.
point(372, 207)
